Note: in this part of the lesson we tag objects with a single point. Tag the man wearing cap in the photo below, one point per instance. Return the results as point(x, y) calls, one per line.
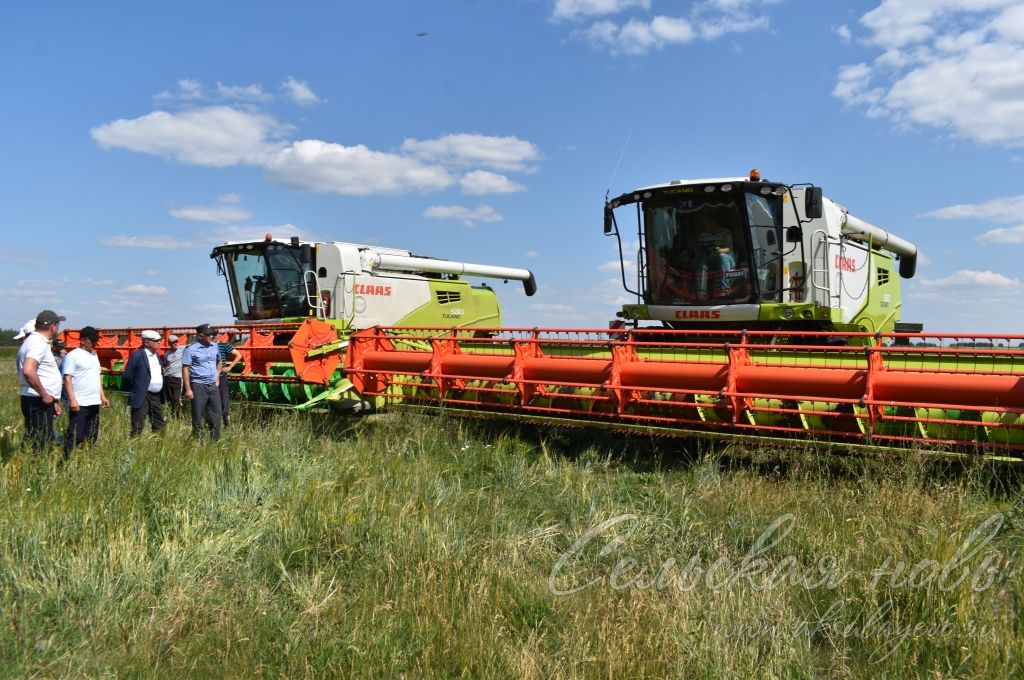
point(200, 372)
point(172, 374)
point(84, 391)
point(145, 383)
point(26, 330)
point(40, 380)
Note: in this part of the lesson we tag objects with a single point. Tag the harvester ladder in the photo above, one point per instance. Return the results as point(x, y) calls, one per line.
point(819, 255)
point(315, 300)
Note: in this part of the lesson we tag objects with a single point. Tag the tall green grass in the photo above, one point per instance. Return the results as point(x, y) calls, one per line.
point(408, 546)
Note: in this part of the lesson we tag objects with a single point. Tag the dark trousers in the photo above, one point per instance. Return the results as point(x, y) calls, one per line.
point(172, 393)
point(151, 407)
point(83, 426)
point(38, 422)
point(225, 398)
point(205, 406)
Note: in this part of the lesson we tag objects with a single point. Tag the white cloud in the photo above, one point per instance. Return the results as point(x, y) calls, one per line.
point(616, 266)
point(46, 295)
point(479, 182)
point(467, 216)
point(577, 9)
point(219, 136)
point(21, 257)
point(460, 150)
point(314, 165)
point(251, 93)
point(637, 36)
point(95, 282)
point(222, 212)
point(969, 278)
point(141, 289)
point(953, 65)
point(191, 91)
point(853, 86)
point(708, 20)
point(299, 92)
point(1006, 209)
point(188, 90)
point(1003, 236)
point(213, 136)
point(531, 254)
point(552, 308)
point(158, 241)
point(844, 33)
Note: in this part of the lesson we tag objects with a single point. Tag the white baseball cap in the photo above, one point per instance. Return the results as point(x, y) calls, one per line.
point(29, 326)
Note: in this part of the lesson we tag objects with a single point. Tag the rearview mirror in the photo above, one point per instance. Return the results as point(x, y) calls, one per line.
point(793, 234)
point(609, 221)
point(812, 203)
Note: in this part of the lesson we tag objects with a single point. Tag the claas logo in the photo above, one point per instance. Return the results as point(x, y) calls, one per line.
point(846, 264)
point(366, 289)
point(699, 314)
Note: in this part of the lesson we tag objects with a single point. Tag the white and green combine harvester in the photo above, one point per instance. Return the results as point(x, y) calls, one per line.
point(741, 253)
point(296, 303)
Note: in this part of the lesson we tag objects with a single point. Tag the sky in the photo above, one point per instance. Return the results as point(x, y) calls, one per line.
point(136, 136)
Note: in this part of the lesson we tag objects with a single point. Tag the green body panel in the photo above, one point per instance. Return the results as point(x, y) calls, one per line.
point(882, 308)
point(478, 306)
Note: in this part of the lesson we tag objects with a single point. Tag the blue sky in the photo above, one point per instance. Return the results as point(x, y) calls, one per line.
point(138, 135)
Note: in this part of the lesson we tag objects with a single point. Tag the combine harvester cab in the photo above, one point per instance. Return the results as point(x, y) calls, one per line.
point(776, 315)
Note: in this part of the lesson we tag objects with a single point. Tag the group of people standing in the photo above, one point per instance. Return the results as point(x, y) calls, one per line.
point(151, 378)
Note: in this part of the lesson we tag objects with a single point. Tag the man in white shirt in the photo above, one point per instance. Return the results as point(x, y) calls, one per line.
point(39, 379)
point(84, 390)
point(145, 382)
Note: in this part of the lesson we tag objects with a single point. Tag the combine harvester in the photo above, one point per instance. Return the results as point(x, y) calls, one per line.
point(296, 305)
point(763, 311)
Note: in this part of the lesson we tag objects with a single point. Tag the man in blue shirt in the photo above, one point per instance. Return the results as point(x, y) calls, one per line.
point(200, 376)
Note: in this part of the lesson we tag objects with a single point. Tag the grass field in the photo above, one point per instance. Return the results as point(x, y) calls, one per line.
point(400, 546)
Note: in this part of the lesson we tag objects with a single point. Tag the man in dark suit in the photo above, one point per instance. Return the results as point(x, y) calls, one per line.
point(144, 380)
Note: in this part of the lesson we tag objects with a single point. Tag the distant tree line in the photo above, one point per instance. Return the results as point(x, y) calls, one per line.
point(7, 337)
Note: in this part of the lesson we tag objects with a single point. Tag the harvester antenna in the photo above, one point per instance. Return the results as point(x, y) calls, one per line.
point(611, 180)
